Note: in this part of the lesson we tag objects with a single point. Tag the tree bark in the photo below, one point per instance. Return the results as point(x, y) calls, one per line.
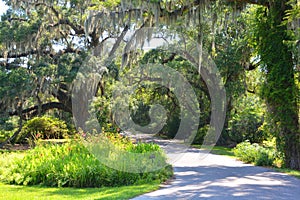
point(13, 138)
point(292, 150)
point(279, 89)
point(33, 111)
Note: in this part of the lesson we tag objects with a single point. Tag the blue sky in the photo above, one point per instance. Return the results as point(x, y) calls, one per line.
point(3, 7)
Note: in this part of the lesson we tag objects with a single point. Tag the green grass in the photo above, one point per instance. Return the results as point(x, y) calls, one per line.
point(13, 192)
point(292, 172)
point(72, 164)
point(218, 150)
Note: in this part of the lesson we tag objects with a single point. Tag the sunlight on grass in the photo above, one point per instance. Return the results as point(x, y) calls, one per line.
point(294, 173)
point(217, 150)
point(12, 192)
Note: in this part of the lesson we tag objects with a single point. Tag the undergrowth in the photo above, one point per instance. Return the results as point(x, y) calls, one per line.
point(72, 165)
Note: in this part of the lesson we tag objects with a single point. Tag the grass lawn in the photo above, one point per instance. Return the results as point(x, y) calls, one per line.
point(13, 192)
point(218, 150)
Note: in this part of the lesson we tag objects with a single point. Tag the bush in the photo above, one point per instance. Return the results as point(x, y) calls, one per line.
point(254, 153)
point(43, 128)
point(246, 127)
point(246, 120)
point(4, 135)
point(144, 147)
point(121, 153)
point(72, 165)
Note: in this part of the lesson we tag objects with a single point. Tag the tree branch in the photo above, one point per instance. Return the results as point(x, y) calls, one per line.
point(9, 66)
point(251, 66)
point(63, 98)
point(33, 111)
point(14, 136)
point(119, 40)
point(23, 54)
point(45, 52)
point(250, 91)
point(17, 19)
point(172, 56)
point(185, 8)
point(78, 30)
point(46, 5)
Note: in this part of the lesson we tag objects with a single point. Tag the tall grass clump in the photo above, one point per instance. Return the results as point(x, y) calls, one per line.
point(72, 165)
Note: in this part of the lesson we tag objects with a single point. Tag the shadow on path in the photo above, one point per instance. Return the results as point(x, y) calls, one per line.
point(213, 177)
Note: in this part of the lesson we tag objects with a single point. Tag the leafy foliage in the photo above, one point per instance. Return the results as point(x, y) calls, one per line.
point(7, 127)
point(279, 89)
point(71, 165)
point(43, 44)
point(247, 120)
point(150, 93)
point(254, 153)
point(43, 128)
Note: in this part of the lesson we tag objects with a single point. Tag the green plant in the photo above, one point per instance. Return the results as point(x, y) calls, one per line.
point(246, 120)
point(218, 150)
point(254, 153)
point(245, 151)
point(7, 127)
point(12, 192)
point(144, 147)
point(148, 160)
point(4, 135)
point(43, 128)
point(72, 165)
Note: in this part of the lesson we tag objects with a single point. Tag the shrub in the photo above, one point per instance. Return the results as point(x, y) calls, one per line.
point(133, 157)
point(246, 120)
point(72, 165)
point(245, 151)
point(264, 158)
point(4, 135)
point(43, 128)
point(254, 153)
point(144, 147)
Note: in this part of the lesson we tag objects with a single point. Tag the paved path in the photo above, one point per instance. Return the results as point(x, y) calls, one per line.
point(224, 178)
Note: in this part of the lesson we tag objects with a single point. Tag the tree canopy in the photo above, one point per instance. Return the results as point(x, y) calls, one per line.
point(45, 44)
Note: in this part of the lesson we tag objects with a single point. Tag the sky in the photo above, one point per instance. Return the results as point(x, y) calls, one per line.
point(3, 7)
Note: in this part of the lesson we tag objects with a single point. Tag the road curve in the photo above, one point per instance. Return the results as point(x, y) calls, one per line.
point(218, 177)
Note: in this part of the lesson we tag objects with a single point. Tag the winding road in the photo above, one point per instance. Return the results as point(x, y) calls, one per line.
point(216, 177)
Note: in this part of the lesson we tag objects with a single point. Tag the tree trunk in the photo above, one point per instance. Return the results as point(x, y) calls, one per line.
point(13, 138)
point(279, 89)
point(225, 139)
point(292, 151)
